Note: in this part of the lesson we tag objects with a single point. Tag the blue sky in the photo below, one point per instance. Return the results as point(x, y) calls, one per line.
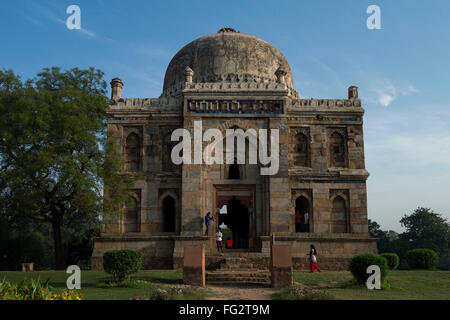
point(402, 70)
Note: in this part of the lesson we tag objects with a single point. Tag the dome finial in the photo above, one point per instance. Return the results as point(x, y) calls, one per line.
point(227, 30)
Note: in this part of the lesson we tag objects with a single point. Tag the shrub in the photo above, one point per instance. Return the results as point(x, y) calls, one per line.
point(422, 259)
point(359, 264)
point(34, 290)
point(122, 263)
point(392, 259)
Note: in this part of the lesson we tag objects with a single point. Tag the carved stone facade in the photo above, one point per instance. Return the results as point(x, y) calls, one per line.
point(232, 80)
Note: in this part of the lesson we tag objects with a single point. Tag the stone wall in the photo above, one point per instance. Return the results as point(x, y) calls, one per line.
point(157, 251)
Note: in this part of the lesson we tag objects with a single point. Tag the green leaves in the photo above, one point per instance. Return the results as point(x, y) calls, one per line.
point(426, 229)
point(55, 154)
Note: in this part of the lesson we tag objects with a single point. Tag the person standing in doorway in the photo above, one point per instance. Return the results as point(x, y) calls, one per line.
point(219, 241)
point(208, 218)
point(313, 259)
point(298, 221)
point(229, 243)
point(306, 221)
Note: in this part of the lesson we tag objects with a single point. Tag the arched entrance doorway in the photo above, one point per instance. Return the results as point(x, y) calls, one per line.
point(237, 220)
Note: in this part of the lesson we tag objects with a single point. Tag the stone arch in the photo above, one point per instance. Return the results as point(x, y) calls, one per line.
point(169, 212)
point(166, 149)
point(339, 214)
point(300, 149)
point(241, 168)
point(302, 214)
point(132, 152)
point(337, 149)
point(131, 214)
point(301, 201)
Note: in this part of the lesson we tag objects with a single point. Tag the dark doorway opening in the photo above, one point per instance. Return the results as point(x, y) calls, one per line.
point(234, 172)
point(302, 214)
point(237, 221)
point(168, 214)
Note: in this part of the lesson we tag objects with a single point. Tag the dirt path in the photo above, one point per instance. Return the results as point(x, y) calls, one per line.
point(218, 292)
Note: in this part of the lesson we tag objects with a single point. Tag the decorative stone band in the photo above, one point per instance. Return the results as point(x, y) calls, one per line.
point(295, 104)
point(145, 103)
point(236, 106)
point(302, 103)
point(230, 82)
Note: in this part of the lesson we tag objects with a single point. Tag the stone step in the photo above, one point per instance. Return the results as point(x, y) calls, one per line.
point(238, 279)
point(240, 273)
point(240, 283)
point(239, 266)
point(231, 254)
point(240, 269)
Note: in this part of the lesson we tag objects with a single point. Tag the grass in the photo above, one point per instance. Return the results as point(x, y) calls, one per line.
point(404, 285)
point(94, 288)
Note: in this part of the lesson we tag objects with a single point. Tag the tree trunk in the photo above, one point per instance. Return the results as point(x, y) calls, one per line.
point(57, 240)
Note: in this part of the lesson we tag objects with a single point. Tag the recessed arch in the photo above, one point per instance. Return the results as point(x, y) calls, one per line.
point(302, 214)
point(132, 152)
point(166, 159)
point(339, 215)
point(169, 214)
point(301, 150)
point(337, 150)
point(131, 215)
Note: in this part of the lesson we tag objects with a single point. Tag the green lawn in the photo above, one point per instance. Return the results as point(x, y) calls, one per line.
point(405, 284)
point(91, 279)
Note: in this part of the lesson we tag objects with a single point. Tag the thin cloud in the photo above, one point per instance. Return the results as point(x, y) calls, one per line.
point(50, 15)
point(153, 52)
point(327, 68)
point(29, 18)
point(384, 92)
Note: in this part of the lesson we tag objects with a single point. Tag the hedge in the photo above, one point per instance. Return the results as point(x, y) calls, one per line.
point(122, 263)
point(422, 259)
point(392, 259)
point(359, 264)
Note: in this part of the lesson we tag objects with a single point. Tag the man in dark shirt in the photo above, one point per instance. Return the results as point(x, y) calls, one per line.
point(208, 218)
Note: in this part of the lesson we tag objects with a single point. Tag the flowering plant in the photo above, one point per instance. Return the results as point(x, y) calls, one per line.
point(34, 290)
point(303, 293)
point(163, 294)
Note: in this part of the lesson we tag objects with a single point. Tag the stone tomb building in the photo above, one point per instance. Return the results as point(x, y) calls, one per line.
point(231, 80)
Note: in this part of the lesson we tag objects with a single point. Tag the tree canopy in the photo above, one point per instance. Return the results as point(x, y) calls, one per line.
point(55, 153)
point(426, 229)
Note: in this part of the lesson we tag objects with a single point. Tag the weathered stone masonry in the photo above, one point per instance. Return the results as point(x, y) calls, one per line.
point(232, 80)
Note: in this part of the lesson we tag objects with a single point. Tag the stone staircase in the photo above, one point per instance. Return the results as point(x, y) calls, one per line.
point(236, 268)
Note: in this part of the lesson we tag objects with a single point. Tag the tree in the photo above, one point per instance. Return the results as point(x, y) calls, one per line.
point(375, 229)
point(55, 153)
point(426, 229)
point(387, 240)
